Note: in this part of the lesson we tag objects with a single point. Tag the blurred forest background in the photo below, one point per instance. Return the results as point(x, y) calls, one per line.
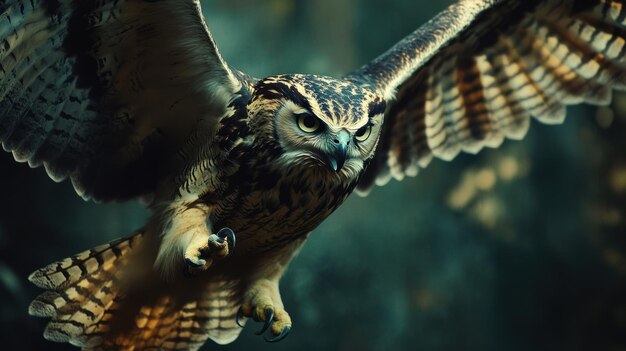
point(521, 248)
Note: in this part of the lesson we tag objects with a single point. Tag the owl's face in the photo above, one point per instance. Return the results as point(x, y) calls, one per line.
point(320, 121)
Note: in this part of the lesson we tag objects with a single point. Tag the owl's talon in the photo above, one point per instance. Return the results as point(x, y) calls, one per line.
point(239, 317)
point(228, 235)
point(283, 334)
point(221, 244)
point(197, 263)
point(203, 249)
point(269, 318)
point(262, 302)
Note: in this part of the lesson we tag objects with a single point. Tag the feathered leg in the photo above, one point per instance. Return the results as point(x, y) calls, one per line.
point(186, 237)
point(261, 297)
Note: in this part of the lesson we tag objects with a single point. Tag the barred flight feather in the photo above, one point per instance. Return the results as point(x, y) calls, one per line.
point(92, 306)
point(70, 69)
point(495, 64)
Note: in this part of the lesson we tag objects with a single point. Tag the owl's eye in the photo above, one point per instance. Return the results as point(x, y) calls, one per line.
point(363, 133)
point(308, 123)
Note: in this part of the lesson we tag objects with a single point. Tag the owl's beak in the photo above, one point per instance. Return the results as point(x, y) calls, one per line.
point(339, 150)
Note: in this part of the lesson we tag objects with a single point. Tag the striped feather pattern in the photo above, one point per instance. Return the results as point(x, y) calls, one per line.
point(477, 73)
point(82, 291)
point(91, 305)
point(97, 90)
point(168, 324)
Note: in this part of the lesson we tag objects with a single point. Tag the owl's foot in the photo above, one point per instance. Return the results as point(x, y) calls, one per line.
point(262, 303)
point(204, 249)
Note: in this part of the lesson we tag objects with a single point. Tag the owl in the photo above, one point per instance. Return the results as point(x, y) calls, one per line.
point(131, 99)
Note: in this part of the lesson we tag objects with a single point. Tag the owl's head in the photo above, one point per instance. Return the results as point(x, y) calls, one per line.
point(319, 121)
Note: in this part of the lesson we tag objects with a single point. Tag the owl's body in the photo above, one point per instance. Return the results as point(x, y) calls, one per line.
point(252, 186)
point(269, 200)
point(244, 182)
point(131, 99)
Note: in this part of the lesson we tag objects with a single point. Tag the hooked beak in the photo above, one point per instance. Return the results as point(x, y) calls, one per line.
point(339, 150)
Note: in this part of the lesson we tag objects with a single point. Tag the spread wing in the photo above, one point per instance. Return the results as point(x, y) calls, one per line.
point(476, 73)
point(107, 92)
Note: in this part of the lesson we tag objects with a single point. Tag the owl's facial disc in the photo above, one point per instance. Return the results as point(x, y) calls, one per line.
point(322, 123)
point(334, 156)
point(341, 145)
point(328, 146)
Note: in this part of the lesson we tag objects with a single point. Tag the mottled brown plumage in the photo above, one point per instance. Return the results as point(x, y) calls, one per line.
point(131, 99)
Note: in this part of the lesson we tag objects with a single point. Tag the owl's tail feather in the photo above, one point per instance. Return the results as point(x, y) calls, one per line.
point(82, 292)
point(110, 298)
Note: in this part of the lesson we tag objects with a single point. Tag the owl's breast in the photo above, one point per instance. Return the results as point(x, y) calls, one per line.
point(269, 209)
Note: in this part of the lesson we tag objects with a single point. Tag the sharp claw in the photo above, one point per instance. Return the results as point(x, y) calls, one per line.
point(283, 334)
point(233, 241)
point(269, 317)
point(192, 263)
point(228, 235)
point(239, 317)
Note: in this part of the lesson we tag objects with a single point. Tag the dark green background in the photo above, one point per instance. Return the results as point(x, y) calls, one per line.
point(535, 260)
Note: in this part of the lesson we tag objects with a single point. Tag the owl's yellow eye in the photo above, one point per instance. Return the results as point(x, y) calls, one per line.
point(308, 123)
point(363, 133)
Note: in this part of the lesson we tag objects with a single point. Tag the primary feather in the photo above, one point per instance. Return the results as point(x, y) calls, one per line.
point(106, 92)
point(478, 72)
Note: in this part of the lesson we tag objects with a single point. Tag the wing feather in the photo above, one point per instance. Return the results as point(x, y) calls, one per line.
point(106, 92)
point(475, 75)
